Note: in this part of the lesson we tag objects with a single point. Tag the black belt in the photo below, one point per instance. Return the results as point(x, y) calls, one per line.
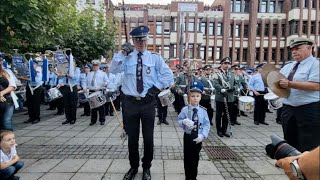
point(133, 98)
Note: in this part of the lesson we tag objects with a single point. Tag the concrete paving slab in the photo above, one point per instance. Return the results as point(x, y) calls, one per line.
point(119, 166)
point(43, 165)
point(69, 165)
point(275, 177)
point(57, 176)
point(173, 166)
point(22, 140)
point(87, 176)
point(69, 133)
point(28, 162)
point(95, 141)
point(210, 177)
point(58, 141)
point(157, 167)
point(207, 167)
point(114, 141)
point(39, 140)
point(29, 176)
point(171, 142)
point(250, 142)
point(232, 141)
point(96, 165)
point(76, 141)
point(263, 168)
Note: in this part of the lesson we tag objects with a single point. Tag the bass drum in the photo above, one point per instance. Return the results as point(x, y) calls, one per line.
point(246, 104)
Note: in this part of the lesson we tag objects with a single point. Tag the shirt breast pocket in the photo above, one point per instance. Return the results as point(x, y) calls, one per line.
point(301, 76)
point(130, 69)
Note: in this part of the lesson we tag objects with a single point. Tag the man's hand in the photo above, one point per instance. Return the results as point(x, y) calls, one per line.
point(223, 90)
point(256, 93)
point(199, 139)
point(284, 83)
point(285, 165)
point(127, 48)
point(151, 94)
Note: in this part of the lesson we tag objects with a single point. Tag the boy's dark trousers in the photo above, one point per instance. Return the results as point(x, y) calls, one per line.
point(191, 152)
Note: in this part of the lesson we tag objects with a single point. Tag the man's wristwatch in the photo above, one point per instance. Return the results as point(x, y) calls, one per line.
point(296, 171)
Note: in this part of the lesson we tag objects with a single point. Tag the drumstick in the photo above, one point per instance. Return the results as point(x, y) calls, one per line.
point(123, 134)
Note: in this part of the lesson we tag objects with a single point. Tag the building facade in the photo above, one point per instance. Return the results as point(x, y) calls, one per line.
point(248, 31)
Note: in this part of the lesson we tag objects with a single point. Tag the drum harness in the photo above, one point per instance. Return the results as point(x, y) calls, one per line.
point(226, 85)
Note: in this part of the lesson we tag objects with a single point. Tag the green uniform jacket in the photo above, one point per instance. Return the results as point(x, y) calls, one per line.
point(217, 84)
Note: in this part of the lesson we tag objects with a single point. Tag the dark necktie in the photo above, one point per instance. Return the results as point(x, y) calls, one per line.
point(139, 74)
point(195, 119)
point(293, 71)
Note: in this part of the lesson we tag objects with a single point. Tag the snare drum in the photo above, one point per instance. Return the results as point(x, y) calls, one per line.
point(83, 97)
point(109, 94)
point(52, 94)
point(246, 104)
point(273, 100)
point(213, 102)
point(96, 99)
point(166, 97)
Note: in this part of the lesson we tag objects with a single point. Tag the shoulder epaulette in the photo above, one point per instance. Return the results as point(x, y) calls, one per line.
point(203, 107)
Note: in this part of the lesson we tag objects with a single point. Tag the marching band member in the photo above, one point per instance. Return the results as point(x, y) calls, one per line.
point(83, 81)
point(145, 73)
point(7, 87)
point(111, 86)
point(224, 85)
point(33, 91)
point(208, 90)
point(68, 85)
point(257, 87)
point(52, 82)
point(180, 86)
point(96, 81)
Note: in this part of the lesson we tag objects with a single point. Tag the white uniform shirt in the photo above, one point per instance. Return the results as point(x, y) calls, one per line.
point(7, 157)
point(100, 80)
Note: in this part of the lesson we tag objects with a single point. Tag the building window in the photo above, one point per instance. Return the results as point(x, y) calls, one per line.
point(283, 29)
point(219, 30)
point(191, 25)
point(238, 6)
point(305, 27)
point(272, 5)
point(295, 4)
point(281, 54)
point(190, 51)
point(219, 53)
point(237, 30)
point(173, 24)
point(210, 52)
point(230, 53)
point(159, 27)
point(306, 3)
point(266, 30)
point(245, 31)
point(258, 29)
point(245, 55)
point(313, 5)
point(280, 7)
point(202, 52)
point(173, 51)
point(274, 30)
point(203, 28)
point(246, 6)
point(231, 30)
point(293, 27)
point(313, 27)
point(263, 6)
point(273, 54)
point(166, 52)
point(257, 54)
point(265, 54)
point(211, 28)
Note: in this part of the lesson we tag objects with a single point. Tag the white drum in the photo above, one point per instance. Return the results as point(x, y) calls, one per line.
point(96, 99)
point(83, 97)
point(166, 97)
point(246, 104)
point(213, 102)
point(273, 100)
point(109, 94)
point(52, 94)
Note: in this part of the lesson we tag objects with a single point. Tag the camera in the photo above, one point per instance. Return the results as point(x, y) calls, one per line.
point(279, 148)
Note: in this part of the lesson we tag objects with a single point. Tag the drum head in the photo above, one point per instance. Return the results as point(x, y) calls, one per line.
point(163, 92)
point(270, 96)
point(94, 94)
point(246, 99)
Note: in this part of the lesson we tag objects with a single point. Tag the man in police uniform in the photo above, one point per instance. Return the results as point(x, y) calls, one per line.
point(145, 74)
point(68, 85)
point(96, 80)
point(208, 90)
point(224, 85)
point(260, 105)
point(300, 112)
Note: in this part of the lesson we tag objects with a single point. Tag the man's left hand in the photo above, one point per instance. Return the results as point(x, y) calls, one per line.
point(284, 83)
point(199, 139)
point(151, 94)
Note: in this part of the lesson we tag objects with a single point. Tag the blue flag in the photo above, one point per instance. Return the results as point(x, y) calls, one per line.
point(32, 71)
point(45, 69)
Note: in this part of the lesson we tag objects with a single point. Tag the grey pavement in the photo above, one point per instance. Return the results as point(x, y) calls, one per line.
point(51, 150)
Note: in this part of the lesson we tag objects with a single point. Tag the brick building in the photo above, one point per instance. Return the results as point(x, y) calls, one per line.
point(249, 31)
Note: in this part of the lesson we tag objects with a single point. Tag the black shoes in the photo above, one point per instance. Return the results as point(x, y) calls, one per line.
point(256, 123)
point(72, 122)
point(50, 108)
point(102, 123)
point(27, 121)
point(220, 134)
point(36, 121)
point(131, 174)
point(85, 115)
point(92, 123)
point(268, 111)
point(237, 123)
point(159, 122)
point(264, 123)
point(243, 114)
point(165, 122)
point(111, 114)
point(226, 134)
point(59, 113)
point(211, 123)
point(279, 122)
point(146, 174)
point(66, 122)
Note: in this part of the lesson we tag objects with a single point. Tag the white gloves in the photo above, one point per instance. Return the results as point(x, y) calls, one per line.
point(223, 90)
point(199, 138)
point(187, 122)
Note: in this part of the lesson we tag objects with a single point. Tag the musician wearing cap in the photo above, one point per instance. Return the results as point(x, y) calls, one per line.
point(96, 80)
point(180, 86)
point(68, 85)
point(208, 91)
point(260, 105)
point(145, 74)
point(300, 112)
point(83, 81)
point(112, 86)
point(224, 84)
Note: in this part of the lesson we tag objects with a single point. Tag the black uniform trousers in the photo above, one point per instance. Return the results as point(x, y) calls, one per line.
point(221, 116)
point(70, 100)
point(162, 110)
point(33, 103)
point(205, 102)
point(260, 108)
point(134, 111)
point(86, 108)
point(94, 113)
point(176, 101)
point(301, 126)
point(191, 152)
point(108, 108)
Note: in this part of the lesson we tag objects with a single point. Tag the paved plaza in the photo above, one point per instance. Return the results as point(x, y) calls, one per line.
point(52, 151)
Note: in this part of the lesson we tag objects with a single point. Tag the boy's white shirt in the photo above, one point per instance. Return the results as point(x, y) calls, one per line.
point(6, 158)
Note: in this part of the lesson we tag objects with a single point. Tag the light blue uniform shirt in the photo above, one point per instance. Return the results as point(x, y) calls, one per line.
point(100, 81)
point(75, 80)
point(52, 79)
point(155, 72)
point(308, 70)
point(256, 83)
point(203, 122)
point(38, 80)
point(112, 82)
point(83, 79)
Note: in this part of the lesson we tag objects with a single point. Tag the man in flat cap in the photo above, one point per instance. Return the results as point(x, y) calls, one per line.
point(300, 112)
point(224, 84)
point(145, 74)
